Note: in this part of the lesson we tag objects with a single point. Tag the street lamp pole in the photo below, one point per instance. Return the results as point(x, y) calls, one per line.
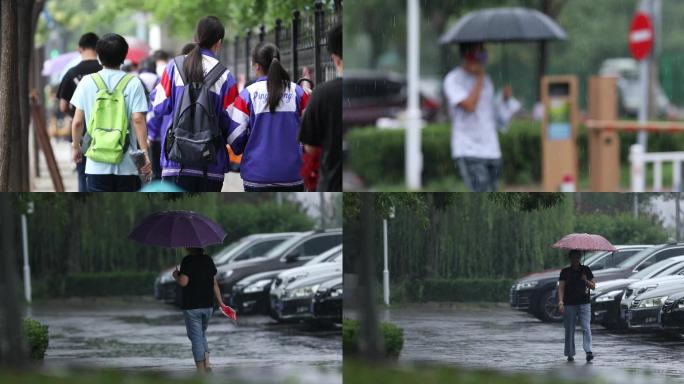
point(414, 156)
point(27, 267)
point(385, 271)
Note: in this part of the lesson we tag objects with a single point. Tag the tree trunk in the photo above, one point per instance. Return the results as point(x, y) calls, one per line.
point(370, 342)
point(12, 351)
point(19, 172)
point(8, 71)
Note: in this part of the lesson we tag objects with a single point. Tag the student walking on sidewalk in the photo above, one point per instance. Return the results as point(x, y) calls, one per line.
point(268, 114)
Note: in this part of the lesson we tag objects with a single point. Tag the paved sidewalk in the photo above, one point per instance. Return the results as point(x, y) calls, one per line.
point(62, 150)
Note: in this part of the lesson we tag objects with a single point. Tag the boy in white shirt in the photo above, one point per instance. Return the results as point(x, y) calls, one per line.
point(476, 113)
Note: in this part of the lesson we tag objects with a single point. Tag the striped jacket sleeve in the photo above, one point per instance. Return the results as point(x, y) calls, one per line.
point(237, 139)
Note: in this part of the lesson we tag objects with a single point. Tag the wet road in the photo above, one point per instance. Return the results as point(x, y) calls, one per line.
point(142, 334)
point(494, 336)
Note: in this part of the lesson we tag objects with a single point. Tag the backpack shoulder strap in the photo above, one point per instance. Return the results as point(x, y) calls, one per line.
point(99, 83)
point(180, 61)
point(214, 74)
point(123, 82)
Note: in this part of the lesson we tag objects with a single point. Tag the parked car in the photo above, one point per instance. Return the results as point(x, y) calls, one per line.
point(639, 261)
point(606, 298)
point(645, 310)
point(326, 305)
point(251, 295)
point(672, 313)
point(294, 304)
point(634, 290)
point(245, 248)
point(291, 253)
point(535, 293)
point(371, 95)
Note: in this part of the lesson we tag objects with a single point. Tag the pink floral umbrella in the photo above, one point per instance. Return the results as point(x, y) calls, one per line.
point(585, 242)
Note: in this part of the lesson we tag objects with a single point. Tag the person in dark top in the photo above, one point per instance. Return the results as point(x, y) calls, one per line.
point(197, 276)
point(321, 127)
point(574, 300)
point(88, 65)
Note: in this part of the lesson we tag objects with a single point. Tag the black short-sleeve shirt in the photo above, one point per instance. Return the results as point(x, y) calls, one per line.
point(322, 127)
point(74, 75)
point(576, 291)
point(200, 270)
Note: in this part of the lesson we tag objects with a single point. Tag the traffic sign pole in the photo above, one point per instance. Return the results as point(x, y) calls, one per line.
point(641, 36)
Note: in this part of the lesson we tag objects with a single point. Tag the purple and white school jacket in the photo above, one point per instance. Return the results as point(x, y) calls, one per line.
point(167, 98)
point(272, 153)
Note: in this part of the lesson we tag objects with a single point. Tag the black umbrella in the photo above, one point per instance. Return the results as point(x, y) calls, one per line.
point(503, 25)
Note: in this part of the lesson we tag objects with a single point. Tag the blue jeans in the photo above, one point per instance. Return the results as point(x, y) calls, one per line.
point(196, 322)
point(80, 168)
point(113, 183)
point(572, 312)
point(479, 175)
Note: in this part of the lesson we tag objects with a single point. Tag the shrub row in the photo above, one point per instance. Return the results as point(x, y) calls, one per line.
point(97, 284)
point(36, 335)
point(377, 156)
point(461, 290)
point(393, 337)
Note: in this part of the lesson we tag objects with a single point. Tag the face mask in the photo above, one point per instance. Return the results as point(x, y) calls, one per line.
point(482, 57)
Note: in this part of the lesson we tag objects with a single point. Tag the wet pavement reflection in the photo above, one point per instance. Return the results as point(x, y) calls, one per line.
point(142, 334)
point(494, 336)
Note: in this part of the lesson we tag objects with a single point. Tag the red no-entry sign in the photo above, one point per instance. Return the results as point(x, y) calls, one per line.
point(641, 36)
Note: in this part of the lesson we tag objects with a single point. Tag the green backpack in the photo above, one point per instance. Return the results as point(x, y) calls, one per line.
point(108, 124)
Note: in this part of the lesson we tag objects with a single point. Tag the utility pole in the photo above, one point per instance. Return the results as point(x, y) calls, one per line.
point(414, 155)
point(322, 208)
point(677, 220)
point(27, 267)
point(385, 271)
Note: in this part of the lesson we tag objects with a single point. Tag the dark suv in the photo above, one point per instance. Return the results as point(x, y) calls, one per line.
point(535, 293)
point(291, 253)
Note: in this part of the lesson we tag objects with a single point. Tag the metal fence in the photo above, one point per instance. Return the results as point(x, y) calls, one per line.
point(302, 43)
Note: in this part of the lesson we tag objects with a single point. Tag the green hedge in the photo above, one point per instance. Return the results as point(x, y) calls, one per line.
point(495, 290)
point(377, 156)
point(393, 337)
point(459, 289)
point(36, 335)
point(622, 228)
point(107, 284)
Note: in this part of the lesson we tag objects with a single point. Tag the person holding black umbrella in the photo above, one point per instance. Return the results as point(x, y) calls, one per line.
point(476, 113)
point(574, 301)
point(197, 277)
point(197, 274)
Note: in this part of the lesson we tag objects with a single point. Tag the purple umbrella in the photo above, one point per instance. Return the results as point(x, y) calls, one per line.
point(177, 229)
point(57, 65)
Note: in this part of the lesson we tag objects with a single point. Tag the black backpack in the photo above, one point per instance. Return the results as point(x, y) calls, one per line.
point(195, 136)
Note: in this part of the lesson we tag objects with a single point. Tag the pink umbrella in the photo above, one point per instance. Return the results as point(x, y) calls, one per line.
point(585, 242)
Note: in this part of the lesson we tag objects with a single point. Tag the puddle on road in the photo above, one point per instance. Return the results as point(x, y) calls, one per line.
point(151, 336)
point(500, 338)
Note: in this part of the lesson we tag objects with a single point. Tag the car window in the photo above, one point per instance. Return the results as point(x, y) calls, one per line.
point(376, 88)
point(259, 249)
point(653, 270)
point(632, 261)
point(592, 257)
point(660, 256)
point(675, 268)
point(317, 245)
point(620, 256)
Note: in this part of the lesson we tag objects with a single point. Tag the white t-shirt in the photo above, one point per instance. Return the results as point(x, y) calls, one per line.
point(474, 134)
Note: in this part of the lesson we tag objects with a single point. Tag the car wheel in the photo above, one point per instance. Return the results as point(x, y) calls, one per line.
point(547, 308)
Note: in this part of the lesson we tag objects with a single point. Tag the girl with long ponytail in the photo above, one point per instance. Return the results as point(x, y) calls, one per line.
point(201, 59)
point(268, 113)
